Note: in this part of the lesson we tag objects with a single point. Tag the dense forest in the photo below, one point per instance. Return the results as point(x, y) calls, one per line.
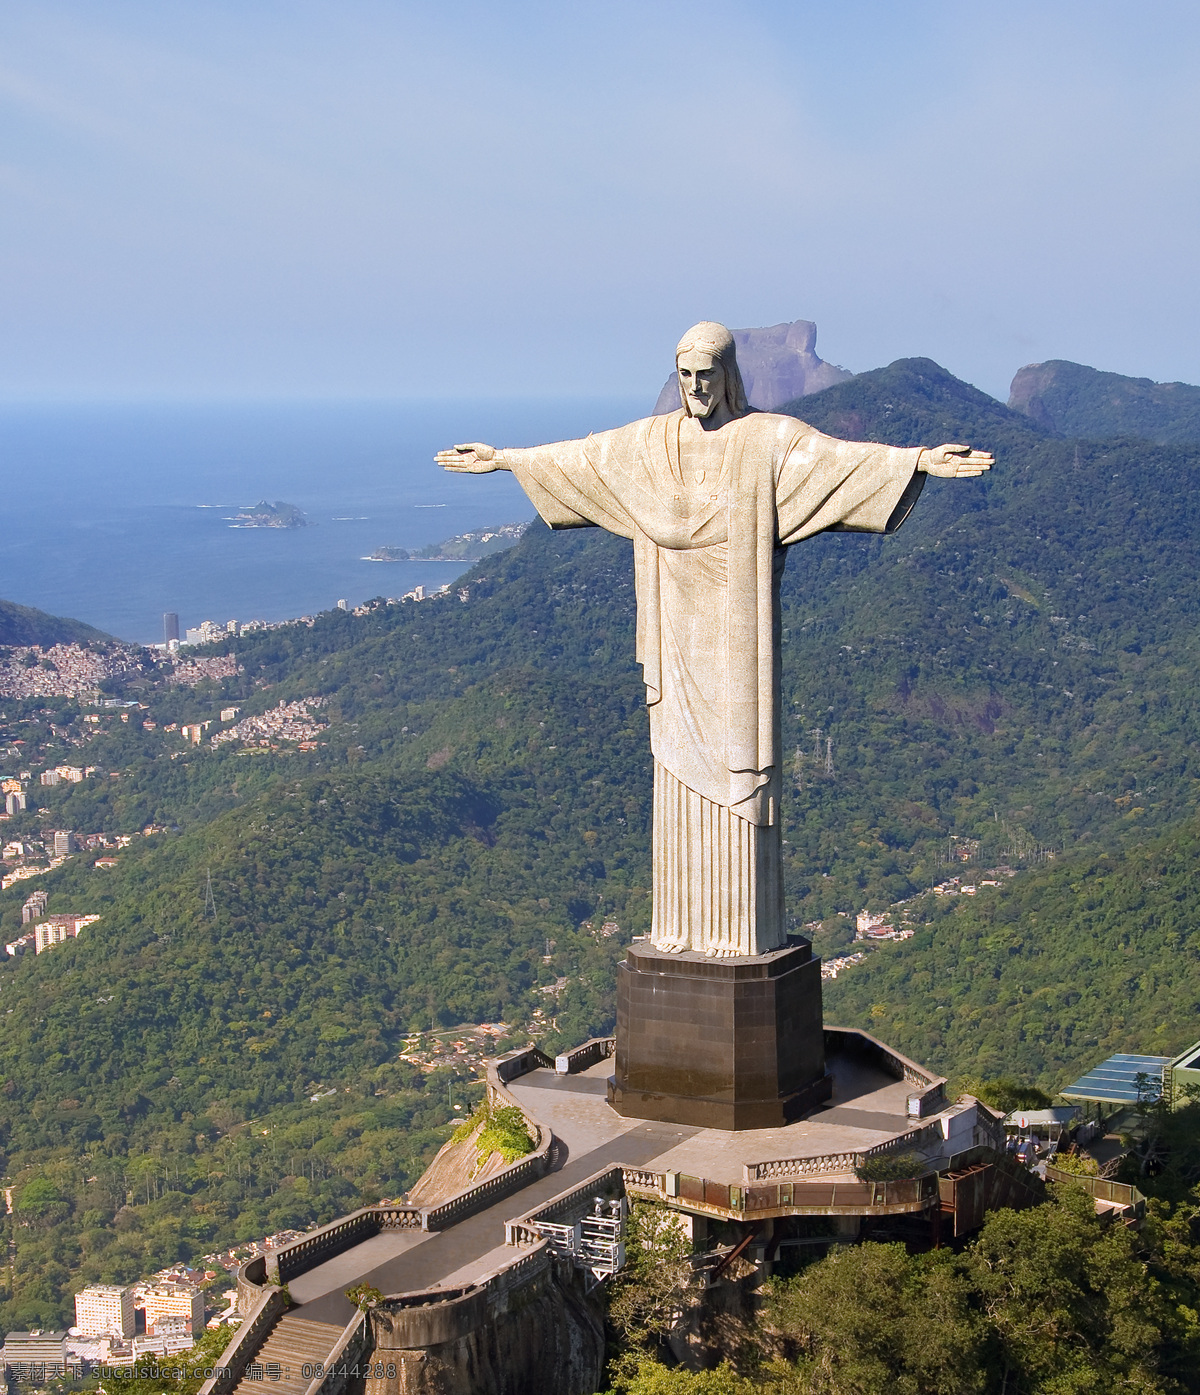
point(1015, 666)
point(22, 624)
point(1072, 400)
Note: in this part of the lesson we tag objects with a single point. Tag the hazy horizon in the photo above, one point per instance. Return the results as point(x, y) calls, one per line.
point(386, 200)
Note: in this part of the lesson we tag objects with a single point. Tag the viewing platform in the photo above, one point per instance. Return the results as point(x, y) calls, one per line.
point(448, 1271)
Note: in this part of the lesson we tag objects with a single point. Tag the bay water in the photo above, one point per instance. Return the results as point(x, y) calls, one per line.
point(114, 513)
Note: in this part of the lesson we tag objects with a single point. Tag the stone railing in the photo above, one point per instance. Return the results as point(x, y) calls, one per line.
point(851, 1041)
point(638, 1179)
point(838, 1195)
point(257, 1324)
point(411, 1321)
point(337, 1237)
point(479, 1197)
point(824, 1163)
point(516, 1063)
point(608, 1183)
point(916, 1139)
point(517, 1174)
point(251, 1277)
point(342, 1368)
point(278, 1266)
point(589, 1054)
point(262, 1300)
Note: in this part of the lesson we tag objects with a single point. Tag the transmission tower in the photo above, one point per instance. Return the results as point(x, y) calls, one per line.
point(210, 903)
point(829, 756)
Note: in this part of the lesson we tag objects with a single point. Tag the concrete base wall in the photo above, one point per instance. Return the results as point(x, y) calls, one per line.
point(545, 1334)
point(719, 1043)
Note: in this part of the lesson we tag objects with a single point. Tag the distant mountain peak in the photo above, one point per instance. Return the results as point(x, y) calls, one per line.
point(778, 363)
point(911, 402)
point(1071, 399)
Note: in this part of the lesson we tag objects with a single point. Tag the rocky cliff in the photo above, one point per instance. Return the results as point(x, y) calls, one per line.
point(1071, 399)
point(778, 364)
point(532, 1328)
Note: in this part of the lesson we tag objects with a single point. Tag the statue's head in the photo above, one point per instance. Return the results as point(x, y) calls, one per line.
point(707, 369)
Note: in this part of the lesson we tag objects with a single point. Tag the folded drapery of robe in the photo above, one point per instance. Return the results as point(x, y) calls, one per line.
point(708, 558)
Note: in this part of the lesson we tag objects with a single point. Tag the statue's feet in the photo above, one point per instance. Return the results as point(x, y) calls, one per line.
point(671, 946)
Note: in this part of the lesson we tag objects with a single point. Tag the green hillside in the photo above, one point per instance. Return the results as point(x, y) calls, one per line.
point(22, 625)
point(1094, 954)
point(1016, 665)
point(1073, 400)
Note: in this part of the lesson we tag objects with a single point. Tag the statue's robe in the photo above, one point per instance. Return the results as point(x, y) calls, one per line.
point(708, 554)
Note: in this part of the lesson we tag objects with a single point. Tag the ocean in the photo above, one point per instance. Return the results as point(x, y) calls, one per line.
point(116, 513)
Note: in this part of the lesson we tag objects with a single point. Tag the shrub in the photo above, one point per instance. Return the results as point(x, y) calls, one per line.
point(891, 1167)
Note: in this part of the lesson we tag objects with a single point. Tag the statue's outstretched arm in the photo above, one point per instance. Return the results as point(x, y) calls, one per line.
point(474, 458)
point(954, 462)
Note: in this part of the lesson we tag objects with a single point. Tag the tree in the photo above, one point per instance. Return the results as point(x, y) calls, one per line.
point(652, 1378)
point(1068, 1300)
point(1005, 1093)
point(871, 1320)
point(651, 1296)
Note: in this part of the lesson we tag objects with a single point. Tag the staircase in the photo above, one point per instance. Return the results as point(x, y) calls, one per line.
point(279, 1364)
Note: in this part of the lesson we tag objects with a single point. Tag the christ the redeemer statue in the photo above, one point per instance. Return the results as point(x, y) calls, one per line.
point(712, 495)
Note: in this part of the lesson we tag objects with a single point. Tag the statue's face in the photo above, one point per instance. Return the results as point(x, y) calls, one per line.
point(701, 381)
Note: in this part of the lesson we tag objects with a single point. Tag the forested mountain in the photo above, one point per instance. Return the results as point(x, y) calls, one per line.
point(23, 625)
point(1073, 400)
point(1016, 666)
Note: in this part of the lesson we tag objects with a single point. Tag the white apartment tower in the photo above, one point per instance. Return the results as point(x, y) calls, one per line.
point(104, 1308)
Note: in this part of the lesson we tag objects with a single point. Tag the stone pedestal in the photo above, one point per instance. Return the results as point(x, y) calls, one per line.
point(719, 1043)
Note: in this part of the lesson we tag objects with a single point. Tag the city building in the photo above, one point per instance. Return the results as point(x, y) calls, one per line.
point(32, 1355)
point(229, 713)
point(1181, 1076)
point(166, 1304)
point(34, 905)
point(170, 627)
point(205, 633)
point(14, 803)
point(49, 777)
point(64, 842)
point(104, 1309)
point(175, 1334)
point(873, 927)
point(58, 929)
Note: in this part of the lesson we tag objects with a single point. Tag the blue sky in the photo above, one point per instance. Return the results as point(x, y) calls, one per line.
point(358, 198)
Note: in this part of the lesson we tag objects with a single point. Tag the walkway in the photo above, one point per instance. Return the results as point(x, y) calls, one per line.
point(867, 1108)
point(404, 1261)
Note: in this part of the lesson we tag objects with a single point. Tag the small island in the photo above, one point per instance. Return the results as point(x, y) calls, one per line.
point(466, 547)
point(265, 515)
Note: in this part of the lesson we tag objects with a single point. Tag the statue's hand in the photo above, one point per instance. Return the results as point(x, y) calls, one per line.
point(954, 462)
point(472, 459)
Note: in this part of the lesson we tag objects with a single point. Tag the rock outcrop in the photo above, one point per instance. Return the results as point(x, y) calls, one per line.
point(1071, 399)
point(778, 364)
